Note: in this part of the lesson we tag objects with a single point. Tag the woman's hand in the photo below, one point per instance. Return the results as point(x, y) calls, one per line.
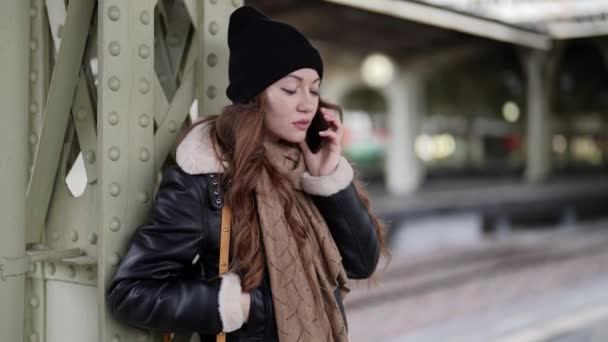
point(326, 159)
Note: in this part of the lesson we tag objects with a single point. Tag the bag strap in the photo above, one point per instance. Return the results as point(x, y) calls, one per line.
point(226, 227)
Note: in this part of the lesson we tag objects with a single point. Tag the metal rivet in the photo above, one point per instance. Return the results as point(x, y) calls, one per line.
point(114, 189)
point(213, 28)
point(144, 155)
point(113, 13)
point(74, 236)
point(50, 268)
point(33, 76)
point(144, 120)
point(143, 197)
point(144, 51)
point(172, 126)
point(34, 302)
point(214, 182)
point(114, 153)
point(34, 337)
point(33, 107)
point(81, 115)
point(114, 48)
point(144, 17)
point(55, 236)
point(71, 271)
point(144, 86)
point(216, 192)
point(33, 45)
point(115, 224)
point(114, 83)
point(211, 175)
point(212, 60)
point(225, 229)
point(113, 118)
point(218, 201)
point(114, 259)
point(211, 92)
point(93, 238)
point(33, 138)
point(90, 156)
point(223, 263)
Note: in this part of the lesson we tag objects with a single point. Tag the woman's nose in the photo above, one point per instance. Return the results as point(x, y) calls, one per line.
point(308, 103)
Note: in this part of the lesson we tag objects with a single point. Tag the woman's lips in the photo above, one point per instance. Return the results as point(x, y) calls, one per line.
point(301, 125)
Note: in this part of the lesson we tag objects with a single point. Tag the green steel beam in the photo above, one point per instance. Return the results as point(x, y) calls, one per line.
point(14, 68)
point(126, 148)
point(59, 102)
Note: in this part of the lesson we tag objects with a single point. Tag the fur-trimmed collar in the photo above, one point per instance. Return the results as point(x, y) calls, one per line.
point(195, 154)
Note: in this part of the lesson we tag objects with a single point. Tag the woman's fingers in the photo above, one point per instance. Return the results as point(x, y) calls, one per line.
point(333, 120)
point(333, 135)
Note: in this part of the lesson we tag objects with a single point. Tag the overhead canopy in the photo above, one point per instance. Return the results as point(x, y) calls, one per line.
point(397, 27)
point(561, 19)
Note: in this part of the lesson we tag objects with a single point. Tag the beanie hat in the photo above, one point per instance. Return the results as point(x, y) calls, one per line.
point(262, 51)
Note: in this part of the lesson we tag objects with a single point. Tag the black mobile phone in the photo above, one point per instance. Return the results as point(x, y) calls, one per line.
point(313, 139)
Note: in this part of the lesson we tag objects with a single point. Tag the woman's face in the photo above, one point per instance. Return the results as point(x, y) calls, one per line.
point(290, 105)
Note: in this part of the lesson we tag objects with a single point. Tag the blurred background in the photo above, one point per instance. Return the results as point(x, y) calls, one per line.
point(480, 129)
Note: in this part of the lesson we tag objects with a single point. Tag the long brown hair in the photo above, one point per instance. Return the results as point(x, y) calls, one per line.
point(238, 132)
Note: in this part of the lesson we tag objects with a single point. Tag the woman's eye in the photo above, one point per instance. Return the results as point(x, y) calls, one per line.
point(315, 92)
point(290, 92)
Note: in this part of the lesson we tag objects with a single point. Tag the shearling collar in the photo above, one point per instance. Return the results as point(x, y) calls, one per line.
point(195, 154)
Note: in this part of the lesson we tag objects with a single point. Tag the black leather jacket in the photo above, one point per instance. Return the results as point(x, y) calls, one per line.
point(166, 279)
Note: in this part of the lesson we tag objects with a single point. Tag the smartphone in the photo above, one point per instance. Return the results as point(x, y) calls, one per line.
point(313, 139)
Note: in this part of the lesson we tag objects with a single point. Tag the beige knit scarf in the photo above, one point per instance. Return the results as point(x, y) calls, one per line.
point(305, 310)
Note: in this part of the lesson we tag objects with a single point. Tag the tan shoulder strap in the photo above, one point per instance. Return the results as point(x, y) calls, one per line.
point(226, 227)
point(225, 239)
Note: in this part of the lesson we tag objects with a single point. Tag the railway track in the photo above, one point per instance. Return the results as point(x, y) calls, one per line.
point(408, 279)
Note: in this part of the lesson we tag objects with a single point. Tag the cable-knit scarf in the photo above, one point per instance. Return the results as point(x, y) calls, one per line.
point(303, 278)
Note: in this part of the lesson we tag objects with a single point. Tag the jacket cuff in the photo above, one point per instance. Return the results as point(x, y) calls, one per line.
point(330, 184)
point(230, 302)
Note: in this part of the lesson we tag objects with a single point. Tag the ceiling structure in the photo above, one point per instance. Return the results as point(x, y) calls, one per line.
point(397, 28)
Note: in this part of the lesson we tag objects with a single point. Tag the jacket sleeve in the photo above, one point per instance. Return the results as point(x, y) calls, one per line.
point(153, 286)
point(349, 221)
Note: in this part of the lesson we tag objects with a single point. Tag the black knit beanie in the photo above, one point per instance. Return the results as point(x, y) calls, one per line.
point(262, 51)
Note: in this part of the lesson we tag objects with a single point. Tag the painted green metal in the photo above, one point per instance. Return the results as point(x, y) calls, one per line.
point(61, 92)
point(39, 72)
point(14, 68)
point(212, 66)
point(125, 131)
point(176, 114)
point(84, 120)
point(126, 139)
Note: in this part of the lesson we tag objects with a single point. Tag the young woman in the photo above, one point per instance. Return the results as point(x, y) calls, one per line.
point(300, 226)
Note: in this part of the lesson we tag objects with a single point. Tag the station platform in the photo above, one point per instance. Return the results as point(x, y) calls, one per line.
point(560, 200)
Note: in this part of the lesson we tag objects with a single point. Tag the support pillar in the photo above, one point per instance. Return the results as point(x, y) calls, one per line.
point(538, 163)
point(403, 170)
point(14, 68)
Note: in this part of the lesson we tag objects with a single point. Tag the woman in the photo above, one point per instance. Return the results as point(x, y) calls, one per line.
point(300, 225)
